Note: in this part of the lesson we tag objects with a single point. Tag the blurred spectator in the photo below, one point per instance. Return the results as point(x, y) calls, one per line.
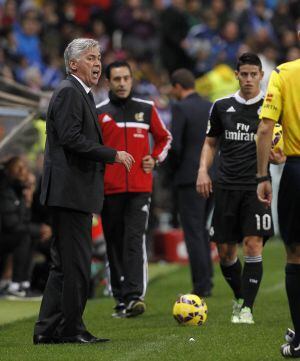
point(27, 38)
point(231, 39)
point(16, 190)
point(220, 10)
point(194, 12)
point(294, 6)
point(139, 33)
point(9, 14)
point(68, 11)
point(293, 53)
point(98, 31)
point(259, 19)
point(204, 44)
point(174, 29)
point(282, 18)
point(83, 9)
point(33, 78)
point(288, 40)
point(238, 8)
point(5, 70)
point(50, 33)
point(52, 73)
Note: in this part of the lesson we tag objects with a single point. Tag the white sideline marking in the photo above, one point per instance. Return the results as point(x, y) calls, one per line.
point(274, 288)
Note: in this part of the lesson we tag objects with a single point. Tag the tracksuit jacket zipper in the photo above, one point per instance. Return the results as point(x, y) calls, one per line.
point(126, 148)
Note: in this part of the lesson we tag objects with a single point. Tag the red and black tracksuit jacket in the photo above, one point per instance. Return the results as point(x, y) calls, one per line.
point(126, 124)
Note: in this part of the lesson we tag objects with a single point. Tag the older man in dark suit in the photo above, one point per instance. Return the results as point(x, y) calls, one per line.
point(189, 123)
point(72, 186)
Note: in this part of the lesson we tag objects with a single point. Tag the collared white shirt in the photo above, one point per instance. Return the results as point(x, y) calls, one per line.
point(254, 100)
point(86, 88)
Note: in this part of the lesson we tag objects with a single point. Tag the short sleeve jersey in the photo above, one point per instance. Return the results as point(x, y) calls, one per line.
point(234, 121)
point(282, 104)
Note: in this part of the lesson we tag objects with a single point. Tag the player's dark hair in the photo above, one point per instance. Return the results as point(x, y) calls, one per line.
point(248, 58)
point(116, 64)
point(183, 77)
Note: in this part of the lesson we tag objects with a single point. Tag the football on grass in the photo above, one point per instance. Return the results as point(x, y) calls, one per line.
point(190, 310)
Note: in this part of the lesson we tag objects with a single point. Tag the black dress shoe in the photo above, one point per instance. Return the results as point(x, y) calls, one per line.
point(86, 337)
point(42, 339)
point(94, 338)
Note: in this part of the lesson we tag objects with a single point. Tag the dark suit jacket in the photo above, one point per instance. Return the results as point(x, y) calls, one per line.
point(74, 155)
point(189, 124)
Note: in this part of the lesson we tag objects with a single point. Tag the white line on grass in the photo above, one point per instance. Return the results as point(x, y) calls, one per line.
point(274, 288)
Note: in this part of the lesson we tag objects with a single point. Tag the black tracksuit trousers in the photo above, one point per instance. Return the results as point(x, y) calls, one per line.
point(125, 220)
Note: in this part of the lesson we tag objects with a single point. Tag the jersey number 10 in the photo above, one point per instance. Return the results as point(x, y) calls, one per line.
point(263, 222)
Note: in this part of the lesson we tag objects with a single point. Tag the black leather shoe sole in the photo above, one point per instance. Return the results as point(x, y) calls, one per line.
point(83, 339)
point(42, 340)
point(98, 340)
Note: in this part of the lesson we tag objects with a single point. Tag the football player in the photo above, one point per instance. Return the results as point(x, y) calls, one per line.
point(238, 215)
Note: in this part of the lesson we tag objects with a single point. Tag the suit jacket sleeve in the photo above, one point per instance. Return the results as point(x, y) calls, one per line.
point(162, 137)
point(68, 123)
point(177, 130)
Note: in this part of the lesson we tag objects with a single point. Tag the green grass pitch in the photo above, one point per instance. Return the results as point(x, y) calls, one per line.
point(156, 335)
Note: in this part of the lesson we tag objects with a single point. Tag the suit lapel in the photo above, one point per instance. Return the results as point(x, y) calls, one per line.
point(91, 106)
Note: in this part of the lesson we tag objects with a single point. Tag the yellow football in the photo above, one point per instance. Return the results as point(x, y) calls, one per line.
point(190, 310)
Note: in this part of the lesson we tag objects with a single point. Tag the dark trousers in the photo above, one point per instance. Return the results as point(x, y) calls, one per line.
point(67, 287)
point(20, 245)
point(194, 210)
point(289, 202)
point(125, 220)
point(22, 260)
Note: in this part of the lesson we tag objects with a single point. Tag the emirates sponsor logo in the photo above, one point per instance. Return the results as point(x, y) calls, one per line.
point(242, 133)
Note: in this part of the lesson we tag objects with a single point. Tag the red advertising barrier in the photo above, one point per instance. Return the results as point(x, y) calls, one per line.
point(170, 246)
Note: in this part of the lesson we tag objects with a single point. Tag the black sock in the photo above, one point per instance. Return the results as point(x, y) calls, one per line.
point(233, 276)
point(252, 275)
point(292, 285)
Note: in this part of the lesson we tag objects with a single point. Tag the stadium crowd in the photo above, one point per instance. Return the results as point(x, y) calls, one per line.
point(157, 37)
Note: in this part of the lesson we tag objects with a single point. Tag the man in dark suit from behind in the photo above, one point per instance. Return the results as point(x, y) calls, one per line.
point(72, 186)
point(189, 123)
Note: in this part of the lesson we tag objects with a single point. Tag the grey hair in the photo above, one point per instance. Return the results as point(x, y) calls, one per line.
point(75, 48)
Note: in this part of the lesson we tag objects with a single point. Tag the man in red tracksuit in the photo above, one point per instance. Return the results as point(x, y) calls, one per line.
point(126, 122)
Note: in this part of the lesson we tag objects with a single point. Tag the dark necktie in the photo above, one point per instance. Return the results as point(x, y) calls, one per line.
point(90, 95)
